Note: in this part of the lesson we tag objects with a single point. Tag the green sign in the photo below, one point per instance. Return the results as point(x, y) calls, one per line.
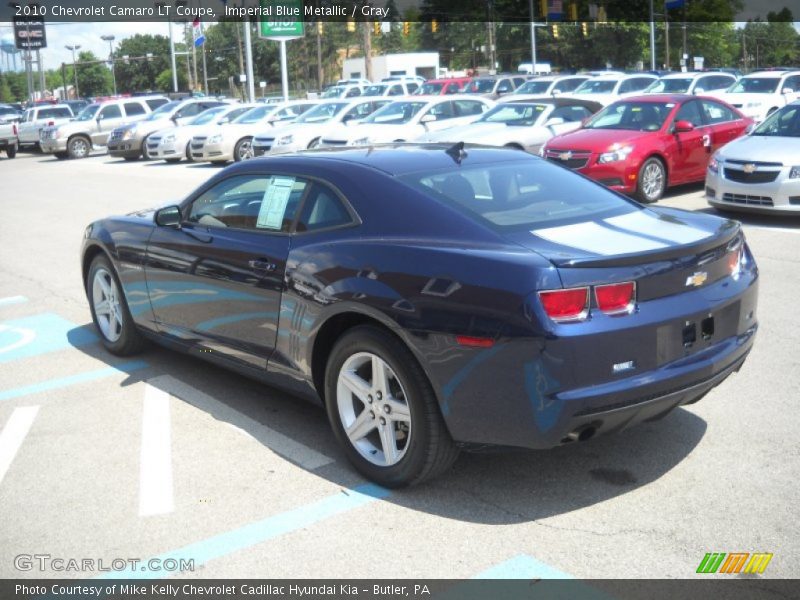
point(281, 19)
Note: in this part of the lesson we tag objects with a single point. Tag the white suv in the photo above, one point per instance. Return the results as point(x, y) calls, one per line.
point(758, 95)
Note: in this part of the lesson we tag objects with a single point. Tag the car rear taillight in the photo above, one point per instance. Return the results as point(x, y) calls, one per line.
point(616, 298)
point(735, 261)
point(566, 305)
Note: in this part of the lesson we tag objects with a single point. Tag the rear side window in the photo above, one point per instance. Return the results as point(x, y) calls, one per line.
point(111, 112)
point(567, 85)
point(466, 108)
point(412, 87)
point(134, 108)
point(154, 103)
point(690, 112)
point(523, 194)
point(717, 113)
point(322, 210)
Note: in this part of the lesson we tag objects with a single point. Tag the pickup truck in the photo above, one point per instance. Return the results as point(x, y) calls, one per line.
point(8, 139)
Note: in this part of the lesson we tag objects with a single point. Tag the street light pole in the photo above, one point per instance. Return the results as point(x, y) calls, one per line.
point(533, 39)
point(75, 68)
point(110, 40)
point(652, 38)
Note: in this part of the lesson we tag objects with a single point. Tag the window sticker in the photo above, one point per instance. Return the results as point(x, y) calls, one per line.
point(273, 205)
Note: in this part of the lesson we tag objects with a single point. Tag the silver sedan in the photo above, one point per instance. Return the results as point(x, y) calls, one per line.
point(760, 172)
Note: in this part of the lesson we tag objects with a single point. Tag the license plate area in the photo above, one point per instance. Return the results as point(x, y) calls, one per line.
point(695, 333)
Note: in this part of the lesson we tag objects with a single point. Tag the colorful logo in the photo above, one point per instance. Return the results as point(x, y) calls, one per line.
point(734, 562)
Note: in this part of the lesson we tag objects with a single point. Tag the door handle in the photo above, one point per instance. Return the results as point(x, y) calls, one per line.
point(261, 264)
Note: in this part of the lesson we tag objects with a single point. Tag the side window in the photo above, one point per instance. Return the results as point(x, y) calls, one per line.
point(443, 110)
point(352, 92)
point(133, 108)
point(504, 86)
point(452, 88)
point(395, 90)
point(465, 108)
point(189, 110)
point(717, 113)
point(569, 85)
point(359, 111)
point(111, 112)
point(690, 112)
point(154, 103)
point(626, 86)
point(412, 87)
point(256, 202)
point(793, 83)
point(322, 210)
point(518, 81)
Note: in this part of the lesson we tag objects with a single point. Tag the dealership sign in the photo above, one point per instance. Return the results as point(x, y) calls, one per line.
point(29, 33)
point(285, 19)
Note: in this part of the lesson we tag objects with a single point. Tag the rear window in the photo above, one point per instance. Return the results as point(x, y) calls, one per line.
point(521, 195)
point(154, 103)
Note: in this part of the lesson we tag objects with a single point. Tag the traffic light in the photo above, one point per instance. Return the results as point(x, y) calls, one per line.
point(434, 26)
point(555, 32)
point(406, 27)
point(376, 28)
point(351, 25)
point(573, 12)
point(320, 28)
point(585, 29)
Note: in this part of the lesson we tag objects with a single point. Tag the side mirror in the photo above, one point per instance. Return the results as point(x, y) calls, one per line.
point(427, 119)
point(554, 121)
point(787, 91)
point(556, 92)
point(698, 91)
point(683, 126)
point(169, 216)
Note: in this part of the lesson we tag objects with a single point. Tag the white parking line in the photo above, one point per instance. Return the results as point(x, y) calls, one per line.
point(155, 474)
point(277, 442)
point(12, 300)
point(13, 435)
point(769, 228)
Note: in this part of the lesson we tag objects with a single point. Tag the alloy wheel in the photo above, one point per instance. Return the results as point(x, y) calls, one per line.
point(106, 302)
point(652, 181)
point(373, 409)
point(245, 150)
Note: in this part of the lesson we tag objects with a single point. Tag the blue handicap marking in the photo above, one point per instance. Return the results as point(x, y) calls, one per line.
point(39, 334)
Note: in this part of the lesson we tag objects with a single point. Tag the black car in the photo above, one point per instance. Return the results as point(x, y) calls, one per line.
point(434, 298)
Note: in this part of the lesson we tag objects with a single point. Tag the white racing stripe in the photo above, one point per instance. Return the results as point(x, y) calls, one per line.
point(13, 435)
point(641, 222)
point(155, 469)
point(593, 237)
point(277, 442)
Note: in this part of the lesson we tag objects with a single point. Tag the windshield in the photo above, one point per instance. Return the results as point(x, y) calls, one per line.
point(395, 113)
point(254, 115)
point(7, 110)
point(782, 123)
point(161, 111)
point(207, 116)
point(321, 112)
point(480, 86)
point(88, 113)
point(534, 87)
point(523, 194)
point(755, 85)
point(524, 115)
point(670, 86)
point(333, 92)
point(430, 88)
point(375, 90)
point(594, 86)
point(633, 116)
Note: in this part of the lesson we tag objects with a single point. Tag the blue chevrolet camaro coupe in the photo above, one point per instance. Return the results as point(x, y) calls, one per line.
point(434, 298)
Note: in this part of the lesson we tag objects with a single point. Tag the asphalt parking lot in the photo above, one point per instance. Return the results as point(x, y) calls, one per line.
point(165, 456)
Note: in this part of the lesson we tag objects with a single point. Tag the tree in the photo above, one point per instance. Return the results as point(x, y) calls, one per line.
point(94, 79)
point(140, 75)
point(5, 90)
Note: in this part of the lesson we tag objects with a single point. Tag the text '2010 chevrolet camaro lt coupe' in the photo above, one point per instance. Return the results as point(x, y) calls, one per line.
point(434, 298)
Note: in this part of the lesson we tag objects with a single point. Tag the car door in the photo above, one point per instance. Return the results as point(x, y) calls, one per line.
point(28, 127)
point(692, 148)
point(216, 281)
point(108, 117)
point(724, 123)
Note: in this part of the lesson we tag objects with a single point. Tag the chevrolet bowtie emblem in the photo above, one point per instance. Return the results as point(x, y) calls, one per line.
point(749, 168)
point(697, 279)
point(565, 155)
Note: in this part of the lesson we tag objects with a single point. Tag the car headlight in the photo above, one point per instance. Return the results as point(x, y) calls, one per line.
point(215, 139)
point(287, 139)
point(713, 164)
point(615, 154)
point(794, 173)
point(128, 133)
point(361, 141)
point(169, 138)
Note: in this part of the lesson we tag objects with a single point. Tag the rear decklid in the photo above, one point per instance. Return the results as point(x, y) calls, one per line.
point(665, 251)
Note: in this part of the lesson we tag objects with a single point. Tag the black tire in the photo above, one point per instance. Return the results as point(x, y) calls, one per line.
point(430, 449)
point(130, 158)
point(189, 152)
point(61, 155)
point(79, 147)
point(243, 146)
point(130, 340)
point(646, 193)
point(172, 160)
point(11, 151)
point(145, 151)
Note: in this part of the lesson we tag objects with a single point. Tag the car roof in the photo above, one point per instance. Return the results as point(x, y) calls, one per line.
point(676, 98)
point(393, 159)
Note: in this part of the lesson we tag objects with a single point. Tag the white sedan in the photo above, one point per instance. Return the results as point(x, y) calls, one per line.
point(606, 89)
point(408, 119)
point(234, 140)
point(307, 130)
point(526, 124)
point(172, 143)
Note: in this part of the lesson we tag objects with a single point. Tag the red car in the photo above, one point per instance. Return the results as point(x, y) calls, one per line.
point(436, 87)
point(644, 144)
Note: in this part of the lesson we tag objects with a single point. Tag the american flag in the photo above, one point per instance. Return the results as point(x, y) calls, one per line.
point(555, 10)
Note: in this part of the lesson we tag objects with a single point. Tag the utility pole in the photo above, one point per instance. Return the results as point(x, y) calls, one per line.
point(320, 74)
point(533, 38)
point(666, 40)
point(172, 60)
point(64, 81)
point(248, 49)
point(652, 37)
point(75, 68)
point(367, 32)
point(110, 40)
